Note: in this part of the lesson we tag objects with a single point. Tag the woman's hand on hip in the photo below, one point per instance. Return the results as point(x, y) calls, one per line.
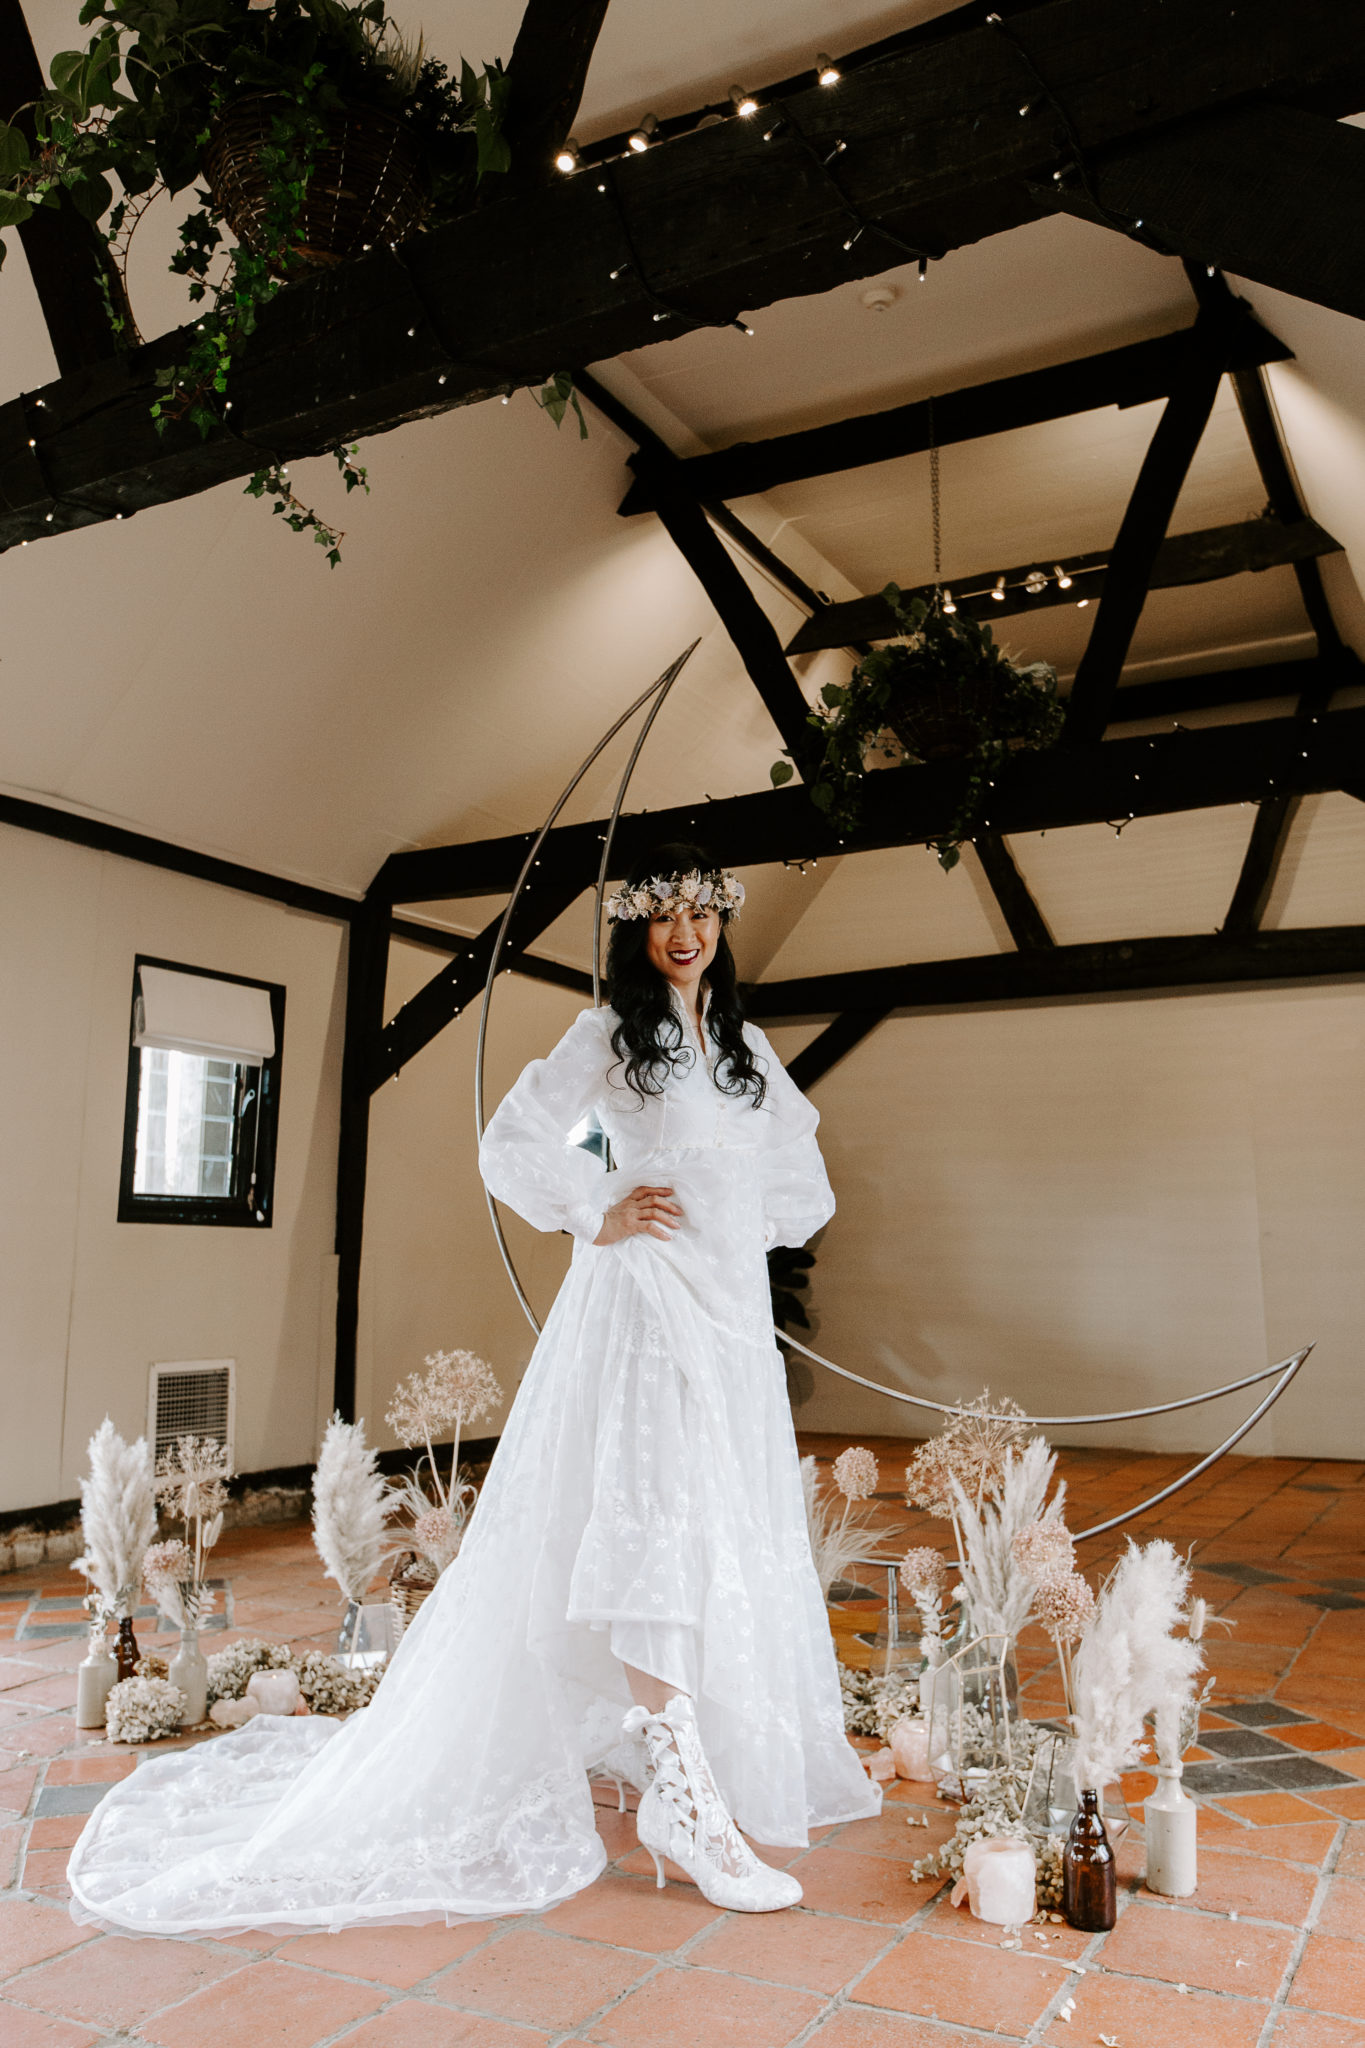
point(644, 1212)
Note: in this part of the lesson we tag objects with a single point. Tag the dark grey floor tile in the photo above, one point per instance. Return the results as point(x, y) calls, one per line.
point(1298, 1774)
point(1217, 1780)
point(1246, 1574)
point(1345, 1585)
point(1243, 1743)
point(54, 1800)
point(1332, 1600)
point(1260, 1714)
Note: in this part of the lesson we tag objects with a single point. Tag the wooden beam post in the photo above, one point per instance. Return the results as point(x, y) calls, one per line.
point(754, 635)
point(835, 1042)
point(1027, 925)
point(367, 962)
point(1265, 849)
point(1134, 552)
point(548, 69)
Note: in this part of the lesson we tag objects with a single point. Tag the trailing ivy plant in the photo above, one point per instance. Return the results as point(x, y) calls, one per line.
point(943, 690)
point(139, 105)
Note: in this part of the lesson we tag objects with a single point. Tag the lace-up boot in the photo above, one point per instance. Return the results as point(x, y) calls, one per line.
point(682, 1816)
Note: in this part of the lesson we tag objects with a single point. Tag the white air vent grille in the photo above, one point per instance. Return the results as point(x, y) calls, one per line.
point(195, 1398)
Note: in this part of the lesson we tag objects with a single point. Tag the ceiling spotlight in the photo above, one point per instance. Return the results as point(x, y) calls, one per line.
point(1081, 603)
point(566, 157)
point(743, 102)
point(640, 138)
point(1063, 580)
point(948, 604)
point(999, 591)
point(1035, 583)
point(826, 70)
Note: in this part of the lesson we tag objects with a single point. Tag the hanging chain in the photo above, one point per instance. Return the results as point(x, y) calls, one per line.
point(935, 501)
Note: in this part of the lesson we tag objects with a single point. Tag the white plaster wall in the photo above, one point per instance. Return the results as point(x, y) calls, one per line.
point(88, 1303)
point(1100, 1206)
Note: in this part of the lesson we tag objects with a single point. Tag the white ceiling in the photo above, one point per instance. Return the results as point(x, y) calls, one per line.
point(200, 674)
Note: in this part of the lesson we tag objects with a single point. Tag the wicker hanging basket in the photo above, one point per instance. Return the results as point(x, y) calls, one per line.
point(367, 184)
point(410, 1581)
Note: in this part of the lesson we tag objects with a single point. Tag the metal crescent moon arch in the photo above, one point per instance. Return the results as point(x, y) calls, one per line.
point(1282, 1374)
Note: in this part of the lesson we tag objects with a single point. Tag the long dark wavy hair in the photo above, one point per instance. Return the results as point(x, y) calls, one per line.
point(649, 1038)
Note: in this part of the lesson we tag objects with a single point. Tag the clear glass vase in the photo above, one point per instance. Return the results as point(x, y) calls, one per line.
point(189, 1670)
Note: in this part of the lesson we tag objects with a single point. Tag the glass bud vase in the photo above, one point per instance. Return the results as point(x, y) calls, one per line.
point(95, 1679)
point(1170, 1820)
point(189, 1670)
point(126, 1650)
point(1089, 1875)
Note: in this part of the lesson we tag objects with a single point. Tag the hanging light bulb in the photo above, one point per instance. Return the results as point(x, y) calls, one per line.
point(999, 591)
point(826, 70)
point(1081, 603)
point(1035, 583)
point(948, 604)
point(640, 138)
point(566, 157)
point(1063, 580)
point(743, 102)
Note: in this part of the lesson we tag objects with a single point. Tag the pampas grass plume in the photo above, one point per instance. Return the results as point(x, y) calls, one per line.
point(118, 1517)
point(1129, 1661)
point(348, 1508)
point(998, 1587)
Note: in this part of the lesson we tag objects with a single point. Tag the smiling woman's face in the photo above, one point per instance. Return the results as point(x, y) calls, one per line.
point(682, 946)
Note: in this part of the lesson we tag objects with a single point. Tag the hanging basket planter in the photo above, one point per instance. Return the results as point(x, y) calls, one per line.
point(410, 1581)
point(936, 716)
point(367, 186)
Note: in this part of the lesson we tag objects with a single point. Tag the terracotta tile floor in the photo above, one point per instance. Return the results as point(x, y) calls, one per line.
point(1269, 1953)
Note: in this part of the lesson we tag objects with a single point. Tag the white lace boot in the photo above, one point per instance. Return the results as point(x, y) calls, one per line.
point(682, 1816)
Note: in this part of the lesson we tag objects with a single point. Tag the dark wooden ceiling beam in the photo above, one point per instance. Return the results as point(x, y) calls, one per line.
point(1133, 555)
point(1118, 967)
point(439, 1001)
point(1265, 849)
point(1025, 921)
point(1271, 192)
point(1132, 375)
point(1166, 696)
point(1142, 777)
point(1248, 546)
point(834, 1043)
point(706, 225)
point(65, 253)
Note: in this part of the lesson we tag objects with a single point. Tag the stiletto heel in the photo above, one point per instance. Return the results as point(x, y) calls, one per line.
point(658, 1869)
point(683, 1816)
point(620, 1785)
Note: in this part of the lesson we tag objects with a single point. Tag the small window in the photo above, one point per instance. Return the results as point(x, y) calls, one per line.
point(203, 1097)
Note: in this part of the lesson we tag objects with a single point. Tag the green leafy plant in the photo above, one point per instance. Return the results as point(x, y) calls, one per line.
point(787, 1270)
point(943, 690)
point(141, 105)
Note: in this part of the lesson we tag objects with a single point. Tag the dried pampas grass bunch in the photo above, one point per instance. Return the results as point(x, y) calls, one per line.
point(349, 1499)
point(998, 1587)
point(118, 1522)
point(1130, 1661)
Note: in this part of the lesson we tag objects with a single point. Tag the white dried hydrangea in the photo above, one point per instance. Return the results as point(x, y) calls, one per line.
point(230, 1669)
point(855, 1473)
point(874, 1704)
point(329, 1688)
point(143, 1710)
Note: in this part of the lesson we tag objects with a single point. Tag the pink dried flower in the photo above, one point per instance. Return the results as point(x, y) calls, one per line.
point(855, 1473)
point(924, 1574)
point(1064, 1604)
point(1044, 1549)
point(167, 1564)
point(972, 1448)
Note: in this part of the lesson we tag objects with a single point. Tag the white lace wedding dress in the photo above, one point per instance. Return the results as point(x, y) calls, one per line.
point(644, 1504)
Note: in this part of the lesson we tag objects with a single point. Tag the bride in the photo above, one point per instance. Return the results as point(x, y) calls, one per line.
point(635, 1592)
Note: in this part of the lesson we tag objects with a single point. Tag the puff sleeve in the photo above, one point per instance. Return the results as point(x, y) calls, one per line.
point(796, 1193)
point(526, 1159)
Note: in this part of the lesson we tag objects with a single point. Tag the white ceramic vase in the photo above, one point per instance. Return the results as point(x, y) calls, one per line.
point(95, 1679)
point(189, 1670)
point(1171, 1818)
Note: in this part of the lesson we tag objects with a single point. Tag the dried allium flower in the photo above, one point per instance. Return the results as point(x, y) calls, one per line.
point(167, 1564)
point(971, 1448)
point(191, 1481)
point(1064, 1604)
point(436, 1535)
point(855, 1473)
point(457, 1386)
point(1044, 1549)
point(924, 1574)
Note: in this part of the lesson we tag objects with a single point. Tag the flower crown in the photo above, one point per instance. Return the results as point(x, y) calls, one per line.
point(665, 895)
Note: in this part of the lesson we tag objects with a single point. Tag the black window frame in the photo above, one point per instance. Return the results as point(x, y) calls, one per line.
point(255, 1128)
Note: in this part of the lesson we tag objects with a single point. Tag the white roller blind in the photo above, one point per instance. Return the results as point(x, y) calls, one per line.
point(219, 1020)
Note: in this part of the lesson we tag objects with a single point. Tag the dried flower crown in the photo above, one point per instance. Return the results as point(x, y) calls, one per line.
point(665, 895)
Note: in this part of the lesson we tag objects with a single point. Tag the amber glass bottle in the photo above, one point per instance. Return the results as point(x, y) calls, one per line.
point(1089, 1877)
point(126, 1650)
